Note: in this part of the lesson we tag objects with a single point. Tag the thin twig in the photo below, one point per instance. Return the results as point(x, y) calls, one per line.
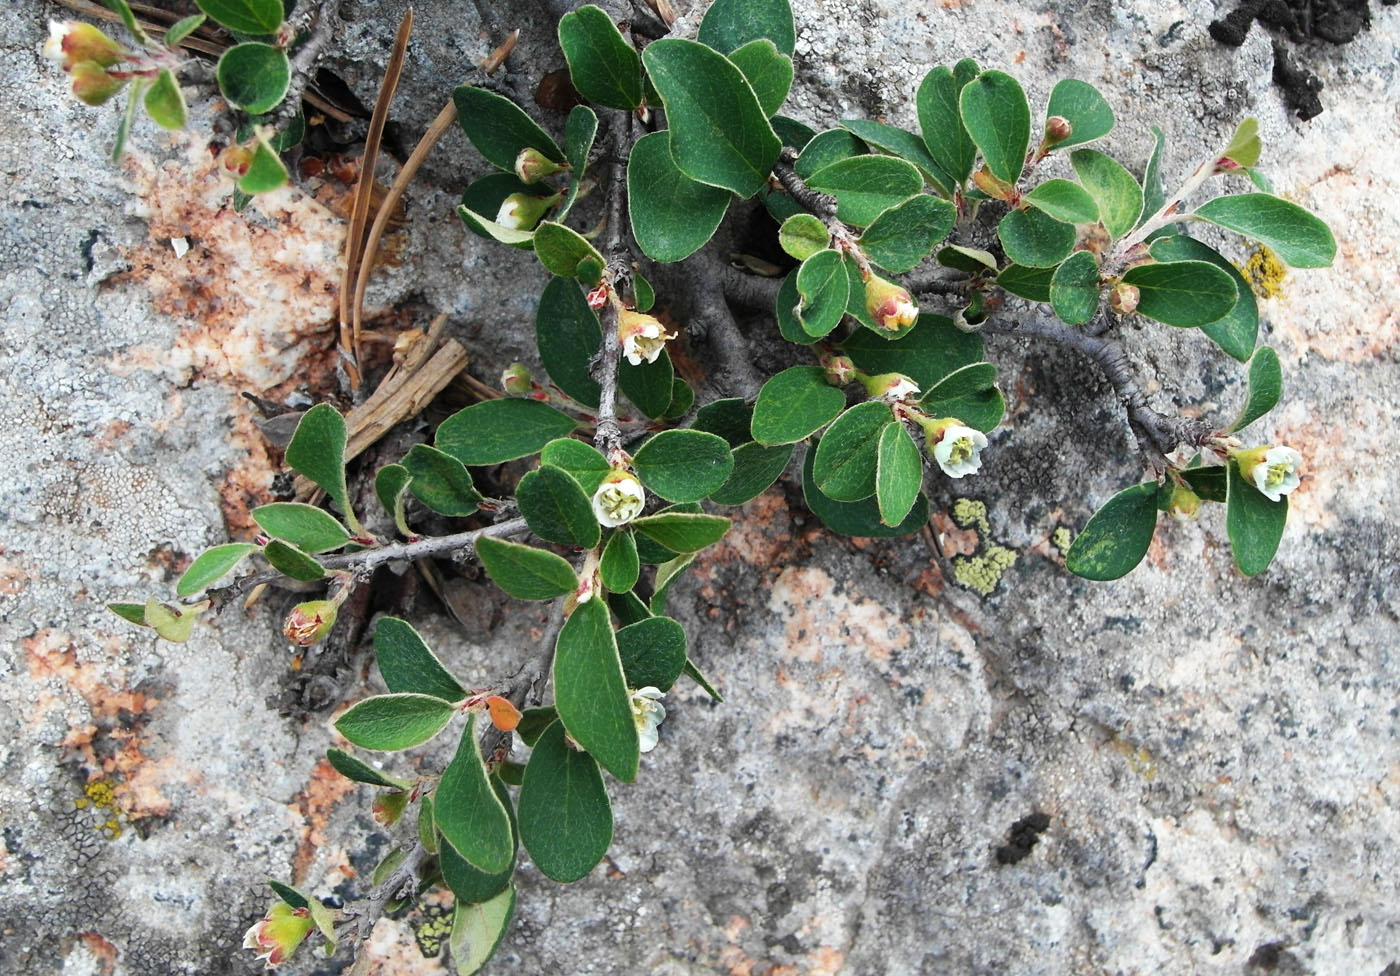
point(822, 205)
point(321, 21)
point(607, 435)
point(402, 882)
point(936, 281)
point(1157, 434)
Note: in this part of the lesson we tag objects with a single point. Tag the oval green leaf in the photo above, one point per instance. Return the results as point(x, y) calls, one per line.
point(653, 652)
point(1265, 388)
point(866, 186)
point(755, 468)
point(998, 119)
point(1032, 283)
point(307, 527)
point(265, 170)
point(859, 519)
point(390, 485)
point(650, 386)
point(1035, 239)
point(901, 143)
point(477, 931)
point(501, 430)
point(619, 565)
point(794, 404)
point(254, 76)
point(672, 215)
point(769, 73)
point(499, 128)
point(785, 312)
point(407, 664)
point(468, 812)
point(291, 561)
point(1296, 236)
point(583, 462)
point(361, 772)
point(317, 452)
point(557, 509)
point(730, 24)
point(803, 235)
point(826, 147)
point(899, 474)
point(1236, 331)
point(525, 572)
point(590, 692)
point(900, 238)
point(1081, 104)
point(1065, 201)
point(940, 122)
point(209, 567)
point(682, 531)
point(822, 290)
point(565, 818)
point(847, 454)
point(1117, 537)
point(561, 249)
point(1113, 188)
point(1253, 523)
point(1074, 289)
point(568, 334)
point(165, 102)
point(245, 16)
point(683, 465)
point(1182, 293)
point(605, 68)
point(440, 481)
point(388, 723)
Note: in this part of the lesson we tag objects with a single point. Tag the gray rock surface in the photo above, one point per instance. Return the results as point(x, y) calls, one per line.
point(1217, 756)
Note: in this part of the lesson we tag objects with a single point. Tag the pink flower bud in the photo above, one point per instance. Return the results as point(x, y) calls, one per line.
point(888, 304)
point(1123, 298)
point(310, 622)
point(1057, 129)
point(840, 370)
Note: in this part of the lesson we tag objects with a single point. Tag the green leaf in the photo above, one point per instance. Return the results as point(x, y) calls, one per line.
point(484, 226)
point(785, 312)
point(502, 430)
point(583, 461)
point(899, 474)
point(591, 693)
point(477, 931)
point(862, 518)
point(468, 812)
point(900, 238)
point(427, 829)
point(1182, 293)
point(1084, 108)
point(133, 100)
point(265, 171)
point(719, 133)
point(565, 818)
point(619, 566)
point(803, 235)
point(793, 133)
point(470, 884)
point(666, 574)
point(683, 465)
point(557, 509)
point(730, 24)
point(560, 249)
point(628, 606)
point(672, 215)
point(1065, 201)
point(970, 259)
point(568, 335)
point(940, 121)
point(291, 561)
point(970, 394)
point(653, 652)
point(649, 386)
point(134, 613)
point(305, 526)
point(823, 290)
point(682, 531)
point(826, 147)
point(769, 73)
point(847, 453)
point(182, 29)
point(128, 19)
point(208, 568)
point(171, 623)
point(165, 103)
point(1244, 145)
point(499, 128)
point(604, 67)
point(865, 186)
point(1296, 236)
point(388, 723)
point(245, 16)
point(1238, 329)
point(1117, 537)
point(482, 200)
point(362, 772)
point(317, 452)
point(729, 418)
point(935, 349)
point(755, 468)
point(580, 128)
point(1074, 290)
point(1032, 283)
point(440, 481)
point(390, 484)
point(1210, 483)
point(525, 572)
point(643, 293)
point(254, 76)
point(1254, 524)
point(1035, 239)
point(1113, 188)
point(289, 894)
point(901, 143)
point(1153, 196)
point(997, 117)
point(408, 665)
point(1265, 388)
point(533, 722)
point(694, 674)
point(795, 404)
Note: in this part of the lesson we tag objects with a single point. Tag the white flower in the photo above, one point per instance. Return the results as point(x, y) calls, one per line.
point(1276, 473)
point(53, 47)
point(959, 450)
point(648, 713)
point(891, 387)
point(618, 500)
point(642, 336)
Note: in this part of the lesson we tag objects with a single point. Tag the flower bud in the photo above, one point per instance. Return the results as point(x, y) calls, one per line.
point(1273, 470)
point(956, 448)
point(73, 43)
point(235, 160)
point(310, 622)
point(531, 166)
point(840, 370)
point(888, 304)
point(1057, 130)
point(1123, 298)
point(92, 85)
point(279, 933)
point(388, 807)
point(521, 211)
point(515, 379)
point(642, 336)
point(619, 499)
point(893, 387)
point(1184, 504)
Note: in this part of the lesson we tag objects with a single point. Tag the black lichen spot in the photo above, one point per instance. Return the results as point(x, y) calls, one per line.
point(1025, 834)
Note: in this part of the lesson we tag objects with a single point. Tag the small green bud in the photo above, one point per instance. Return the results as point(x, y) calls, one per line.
point(1184, 504)
point(520, 211)
point(888, 304)
point(310, 622)
point(92, 85)
point(531, 166)
point(516, 380)
point(73, 43)
point(840, 370)
point(893, 387)
point(388, 807)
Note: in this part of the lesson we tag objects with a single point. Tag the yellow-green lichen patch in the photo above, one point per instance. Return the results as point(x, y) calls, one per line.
point(1061, 539)
point(1264, 272)
point(981, 573)
point(434, 928)
point(970, 513)
point(100, 797)
point(1138, 758)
